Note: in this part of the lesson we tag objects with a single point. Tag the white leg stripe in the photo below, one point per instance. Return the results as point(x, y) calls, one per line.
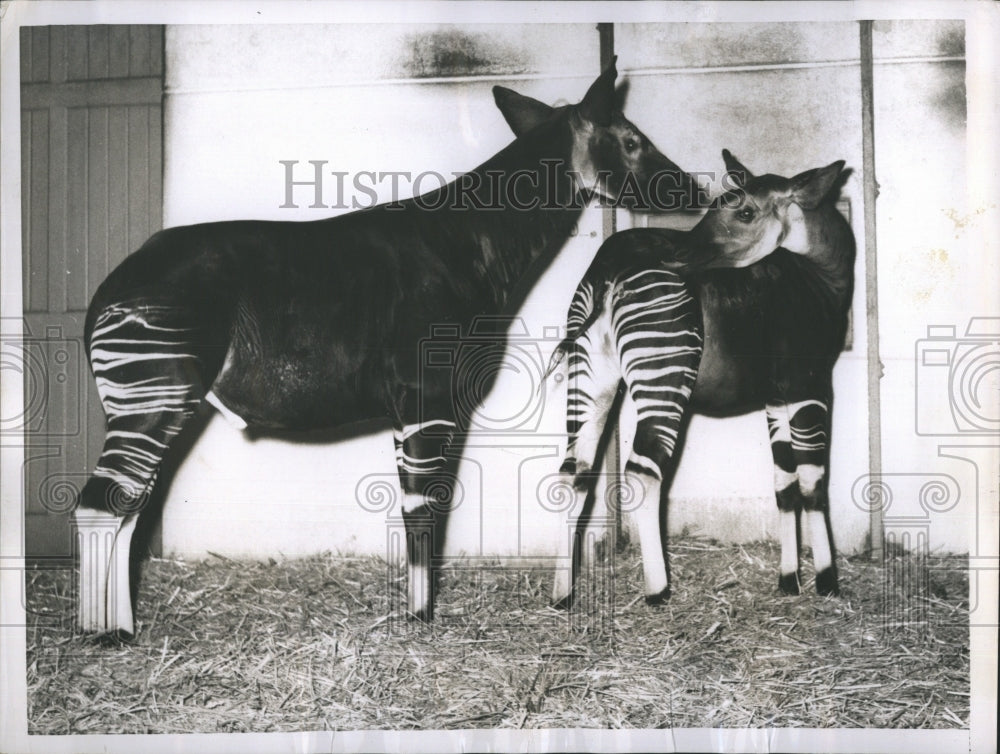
point(235, 420)
point(646, 464)
point(412, 501)
point(822, 554)
point(789, 542)
point(411, 429)
point(647, 520)
point(778, 422)
point(810, 476)
point(419, 587)
point(794, 408)
point(782, 478)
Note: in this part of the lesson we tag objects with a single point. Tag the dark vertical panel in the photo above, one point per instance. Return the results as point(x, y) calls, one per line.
point(97, 52)
point(118, 54)
point(156, 54)
point(76, 52)
point(96, 424)
point(38, 186)
point(97, 196)
point(117, 186)
point(55, 222)
point(40, 53)
point(139, 51)
point(38, 462)
point(56, 426)
point(138, 172)
point(29, 260)
point(57, 57)
point(77, 288)
point(25, 39)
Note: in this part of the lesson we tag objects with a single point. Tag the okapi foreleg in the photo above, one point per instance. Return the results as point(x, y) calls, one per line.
point(799, 448)
point(809, 421)
point(423, 465)
point(787, 494)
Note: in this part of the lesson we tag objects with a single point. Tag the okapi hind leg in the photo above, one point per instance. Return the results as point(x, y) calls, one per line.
point(593, 383)
point(150, 384)
point(104, 541)
point(647, 465)
point(573, 486)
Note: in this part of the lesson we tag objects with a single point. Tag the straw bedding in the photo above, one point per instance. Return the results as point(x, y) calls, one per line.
point(321, 643)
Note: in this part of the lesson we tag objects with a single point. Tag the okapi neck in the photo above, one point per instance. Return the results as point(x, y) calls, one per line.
point(823, 238)
point(526, 205)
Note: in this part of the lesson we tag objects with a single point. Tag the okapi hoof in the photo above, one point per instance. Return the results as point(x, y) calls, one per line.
point(113, 639)
point(659, 598)
point(788, 583)
point(566, 603)
point(826, 582)
point(424, 615)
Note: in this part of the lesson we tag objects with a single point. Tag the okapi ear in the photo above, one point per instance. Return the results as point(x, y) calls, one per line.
point(521, 113)
point(598, 104)
point(809, 188)
point(737, 170)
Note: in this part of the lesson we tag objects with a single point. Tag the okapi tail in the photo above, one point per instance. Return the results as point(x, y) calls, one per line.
point(587, 307)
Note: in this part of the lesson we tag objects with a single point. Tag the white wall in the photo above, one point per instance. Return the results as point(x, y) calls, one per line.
point(239, 99)
point(930, 274)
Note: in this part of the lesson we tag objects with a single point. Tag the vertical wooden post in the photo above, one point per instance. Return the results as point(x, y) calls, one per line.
point(612, 459)
point(875, 524)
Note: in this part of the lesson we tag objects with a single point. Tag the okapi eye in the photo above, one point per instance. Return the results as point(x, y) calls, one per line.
point(746, 214)
point(631, 145)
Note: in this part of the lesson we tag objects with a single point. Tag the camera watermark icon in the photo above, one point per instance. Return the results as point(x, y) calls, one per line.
point(958, 379)
point(593, 513)
point(467, 365)
point(52, 369)
point(907, 559)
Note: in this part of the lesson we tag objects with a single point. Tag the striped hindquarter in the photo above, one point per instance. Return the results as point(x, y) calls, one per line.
point(648, 337)
point(148, 378)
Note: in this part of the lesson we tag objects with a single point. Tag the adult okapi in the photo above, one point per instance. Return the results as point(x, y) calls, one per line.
point(301, 325)
point(720, 341)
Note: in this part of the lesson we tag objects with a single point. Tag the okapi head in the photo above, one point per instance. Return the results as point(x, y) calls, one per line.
point(761, 213)
point(610, 157)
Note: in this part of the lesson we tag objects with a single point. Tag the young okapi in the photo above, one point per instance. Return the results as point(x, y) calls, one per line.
point(301, 325)
point(772, 333)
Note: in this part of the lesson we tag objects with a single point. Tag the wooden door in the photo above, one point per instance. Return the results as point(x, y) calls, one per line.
point(91, 188)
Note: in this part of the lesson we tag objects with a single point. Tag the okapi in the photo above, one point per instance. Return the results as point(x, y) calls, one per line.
point(303, 325)
point(772, 333)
